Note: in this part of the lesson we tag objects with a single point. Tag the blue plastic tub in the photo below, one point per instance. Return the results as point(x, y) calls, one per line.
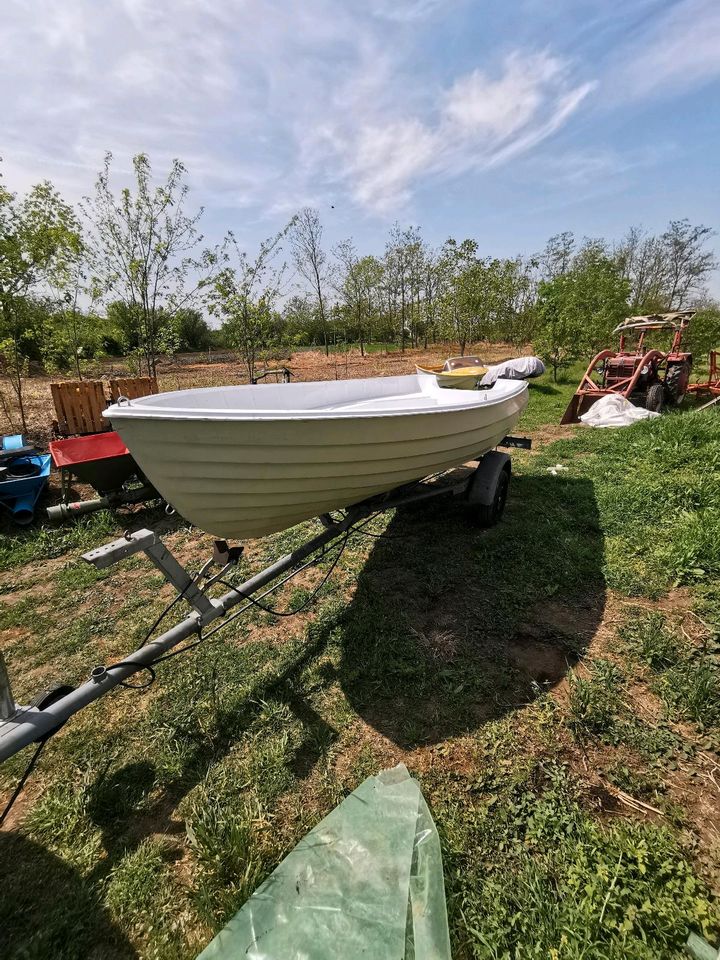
point(23, 476)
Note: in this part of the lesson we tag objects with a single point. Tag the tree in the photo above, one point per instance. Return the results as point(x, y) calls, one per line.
point(403, 273)
point(310, 260)
point(703, 334)
point(556, 259)
point(578, 309)
point(669, 271)
point(72, 337)
point(192, 330)
point(245, 294)
point(350, 289)
point(432, 294)
point(300, 320)
point(687, 261)
point(358, 286)
point(143, 251)
point(642, 262)
point(458, 265)
point(37, 235)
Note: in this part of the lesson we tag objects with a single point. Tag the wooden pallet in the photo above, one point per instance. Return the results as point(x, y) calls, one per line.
point(132, 387)
point(79, 405)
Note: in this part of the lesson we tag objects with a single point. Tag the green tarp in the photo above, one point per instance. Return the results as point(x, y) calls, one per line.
point(367, 881)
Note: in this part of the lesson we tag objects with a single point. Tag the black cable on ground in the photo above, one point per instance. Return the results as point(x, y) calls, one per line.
point(179, 596)
point(252, 601)
point(23, 779)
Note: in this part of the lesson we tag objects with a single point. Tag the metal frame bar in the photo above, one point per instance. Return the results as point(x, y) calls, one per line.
point(27, 724)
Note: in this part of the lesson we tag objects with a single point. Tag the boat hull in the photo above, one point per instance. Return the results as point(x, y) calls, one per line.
point(242, 478)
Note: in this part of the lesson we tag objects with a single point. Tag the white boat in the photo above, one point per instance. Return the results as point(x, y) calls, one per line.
point(246, 461)
point(457, 373)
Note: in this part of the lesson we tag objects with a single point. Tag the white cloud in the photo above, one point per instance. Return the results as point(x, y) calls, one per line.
point(677, 51)
point(481, 121)
point(408, 11)
point(499, 107)
point(269, 104)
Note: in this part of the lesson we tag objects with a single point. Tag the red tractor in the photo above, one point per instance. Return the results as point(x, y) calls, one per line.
point(642, 375)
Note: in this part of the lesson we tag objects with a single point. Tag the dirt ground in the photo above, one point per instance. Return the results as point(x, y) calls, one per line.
point(221, 368)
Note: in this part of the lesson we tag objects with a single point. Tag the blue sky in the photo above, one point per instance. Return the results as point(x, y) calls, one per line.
point(507, 122)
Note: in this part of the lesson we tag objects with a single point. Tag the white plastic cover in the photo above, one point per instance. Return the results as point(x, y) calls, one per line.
point(521, 368)
point(615, 411)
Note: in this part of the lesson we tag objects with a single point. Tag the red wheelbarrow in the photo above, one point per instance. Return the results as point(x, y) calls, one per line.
point(104, 462)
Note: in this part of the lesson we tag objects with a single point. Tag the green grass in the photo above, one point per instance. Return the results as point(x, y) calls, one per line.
point(534, 874)
point(467, 653)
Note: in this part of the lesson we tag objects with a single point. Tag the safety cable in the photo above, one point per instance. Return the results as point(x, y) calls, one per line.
point(306, 603)
point(23, 779)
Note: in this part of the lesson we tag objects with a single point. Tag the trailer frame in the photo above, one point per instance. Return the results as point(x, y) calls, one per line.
point(484, 489)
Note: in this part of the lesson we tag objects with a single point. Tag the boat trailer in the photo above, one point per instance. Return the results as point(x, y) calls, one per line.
point(484, 489)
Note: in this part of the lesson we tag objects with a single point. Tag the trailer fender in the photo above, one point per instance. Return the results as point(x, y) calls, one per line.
point(488, 487)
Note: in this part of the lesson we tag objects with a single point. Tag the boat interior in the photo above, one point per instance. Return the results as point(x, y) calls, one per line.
point(364, 397)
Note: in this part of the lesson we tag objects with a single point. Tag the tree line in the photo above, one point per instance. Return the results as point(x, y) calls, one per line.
point(129, 273)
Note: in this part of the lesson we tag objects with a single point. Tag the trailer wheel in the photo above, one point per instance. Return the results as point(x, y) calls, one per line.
point(487, 515)
point(654, 397)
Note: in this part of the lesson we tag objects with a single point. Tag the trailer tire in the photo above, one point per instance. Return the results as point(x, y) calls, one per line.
point(488, 494)
point(655, 397)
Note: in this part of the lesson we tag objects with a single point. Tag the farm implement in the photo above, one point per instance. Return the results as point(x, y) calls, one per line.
point(644, 375)
point(712, 384)
point(103, 461)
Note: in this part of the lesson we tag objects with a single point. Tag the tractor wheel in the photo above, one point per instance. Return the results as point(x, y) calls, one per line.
point(676, 382)
point(654, 397)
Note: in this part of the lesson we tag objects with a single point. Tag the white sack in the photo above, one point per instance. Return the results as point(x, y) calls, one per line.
point(521, 368)
point(615, 411)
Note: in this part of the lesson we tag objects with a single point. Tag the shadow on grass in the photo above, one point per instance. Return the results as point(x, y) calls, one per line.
point(452, 626)
point(53, 911)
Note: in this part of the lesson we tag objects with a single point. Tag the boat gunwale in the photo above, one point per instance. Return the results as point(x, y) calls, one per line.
point(456, 402)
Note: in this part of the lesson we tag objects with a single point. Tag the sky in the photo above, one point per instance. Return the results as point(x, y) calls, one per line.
point(505, 122)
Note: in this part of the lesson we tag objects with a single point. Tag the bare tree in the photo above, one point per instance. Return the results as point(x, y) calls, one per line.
point(556, 259)
point(310, 260)
point(688, 262)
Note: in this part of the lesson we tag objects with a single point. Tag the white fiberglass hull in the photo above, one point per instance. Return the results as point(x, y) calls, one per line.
point(246, 461)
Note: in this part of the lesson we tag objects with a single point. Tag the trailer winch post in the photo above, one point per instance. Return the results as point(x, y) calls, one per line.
point(7, 704)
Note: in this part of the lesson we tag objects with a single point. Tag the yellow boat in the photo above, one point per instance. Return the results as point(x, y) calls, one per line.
point(457, 373)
